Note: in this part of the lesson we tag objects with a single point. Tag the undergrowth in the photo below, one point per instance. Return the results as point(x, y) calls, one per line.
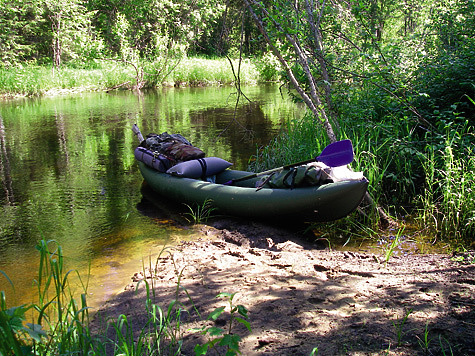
point(429, 181)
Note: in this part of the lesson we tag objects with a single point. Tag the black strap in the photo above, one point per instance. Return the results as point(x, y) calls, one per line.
point(292, 174)
point(265, 181)
point(204, 168)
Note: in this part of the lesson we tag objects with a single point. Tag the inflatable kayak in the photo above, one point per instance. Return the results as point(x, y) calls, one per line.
point(327, 202)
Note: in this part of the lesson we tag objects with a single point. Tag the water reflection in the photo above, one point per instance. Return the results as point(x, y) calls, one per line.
point(68, 172)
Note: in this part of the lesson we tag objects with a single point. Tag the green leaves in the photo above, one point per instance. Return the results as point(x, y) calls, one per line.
point(232, 344)
point(216, 313)
point(201, 349)
point(13, 332)
point(218, 336)
point(75, 30)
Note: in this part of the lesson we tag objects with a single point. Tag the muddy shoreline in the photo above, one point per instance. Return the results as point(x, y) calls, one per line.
point(301, 296)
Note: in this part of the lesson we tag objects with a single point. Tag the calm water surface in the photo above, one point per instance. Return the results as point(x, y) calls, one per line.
point(68, 174)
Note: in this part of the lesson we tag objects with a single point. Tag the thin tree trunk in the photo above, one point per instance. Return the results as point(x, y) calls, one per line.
point(56, 30)
point(312, 99)
point(318, 40)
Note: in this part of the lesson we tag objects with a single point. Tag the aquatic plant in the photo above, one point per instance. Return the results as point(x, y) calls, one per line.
point(14, 333)
point(447, 204)
point(204, 71)
point(200, 213)
point(389, 247)
point(61, 324)
point(430, 180)
point(35, 80)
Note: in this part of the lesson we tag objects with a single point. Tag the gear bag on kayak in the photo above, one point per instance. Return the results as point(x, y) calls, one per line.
point(175, 147)
point(313, 174)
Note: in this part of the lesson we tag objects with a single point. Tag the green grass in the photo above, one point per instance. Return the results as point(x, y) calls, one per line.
point(41, 80)
point(34, 80)
point(399, 326)
point(390, 247)
point(450, 203)
point(200, 213)
point(202, 71)
point(430, 181)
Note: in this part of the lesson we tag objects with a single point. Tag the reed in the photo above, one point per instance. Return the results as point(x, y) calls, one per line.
point(40, 80)
point(60, 323)
point(204, 71)
point(448, 206)
point(64, 318)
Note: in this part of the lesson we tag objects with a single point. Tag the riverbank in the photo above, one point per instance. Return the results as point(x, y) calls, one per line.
point(301, 296)
point(106, 75)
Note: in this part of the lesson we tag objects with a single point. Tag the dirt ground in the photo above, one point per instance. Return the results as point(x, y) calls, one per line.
point(301, 296)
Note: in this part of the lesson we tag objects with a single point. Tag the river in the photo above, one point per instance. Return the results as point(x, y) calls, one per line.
point(68, 174)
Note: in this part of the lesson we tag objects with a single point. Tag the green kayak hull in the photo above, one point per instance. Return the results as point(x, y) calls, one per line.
point(327, 202)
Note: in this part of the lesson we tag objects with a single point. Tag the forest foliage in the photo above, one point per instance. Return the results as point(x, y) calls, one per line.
point(418, 57)
point(77, 31)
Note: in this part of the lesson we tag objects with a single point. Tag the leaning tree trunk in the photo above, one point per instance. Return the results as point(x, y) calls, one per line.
point(311, 99)
point(320, 56)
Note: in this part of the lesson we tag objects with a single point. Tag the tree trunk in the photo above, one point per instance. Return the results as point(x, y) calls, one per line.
point(320, 55)
point(56, 30)
point(311, 99)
